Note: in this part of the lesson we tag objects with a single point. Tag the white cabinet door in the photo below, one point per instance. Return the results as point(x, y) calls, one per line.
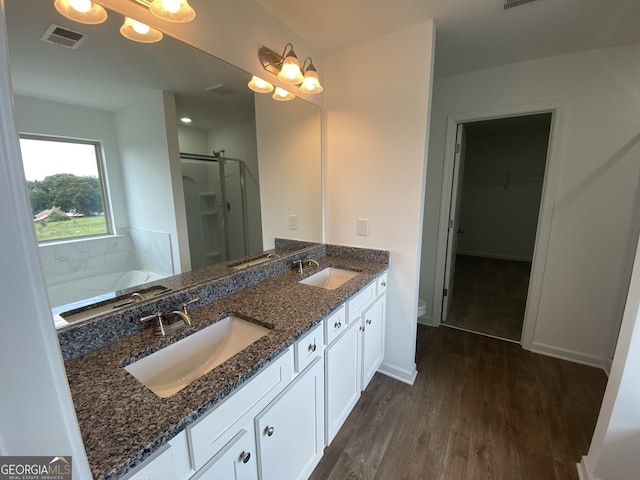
point(373, 339)
point(290, 430)
point(235, 461)
point(342, 380)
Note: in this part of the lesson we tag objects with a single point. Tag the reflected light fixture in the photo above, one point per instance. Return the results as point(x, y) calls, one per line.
point(81, 11)
point(185, 120)
point(287, 68)
point(282, 95)
point(139, 32)
point(259, 85)
point(178, 11)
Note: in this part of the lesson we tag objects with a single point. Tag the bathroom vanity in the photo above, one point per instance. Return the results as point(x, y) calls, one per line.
point(266, 412)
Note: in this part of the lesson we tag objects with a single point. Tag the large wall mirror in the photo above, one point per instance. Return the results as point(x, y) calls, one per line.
point(177, 196)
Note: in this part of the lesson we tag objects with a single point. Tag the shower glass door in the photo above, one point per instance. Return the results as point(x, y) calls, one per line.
point(214, 200)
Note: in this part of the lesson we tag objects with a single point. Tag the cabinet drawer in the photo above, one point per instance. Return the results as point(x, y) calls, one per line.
point(308, 348)
point(382, 284)
point(335, 325)
point(213, 431)
point(358, 303)
point(235, 461)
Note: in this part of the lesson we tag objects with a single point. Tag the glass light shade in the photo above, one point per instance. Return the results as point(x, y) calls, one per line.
point(290, 71)
point(311, 82)
point(81, 11)
point(139, 32)
point(259, 85)
point(178, 11)
point(282, 95)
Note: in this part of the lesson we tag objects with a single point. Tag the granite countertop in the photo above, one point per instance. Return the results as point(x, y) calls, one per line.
point(122, 422)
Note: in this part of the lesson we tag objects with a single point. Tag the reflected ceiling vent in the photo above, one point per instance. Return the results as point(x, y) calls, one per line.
point(63, 37)
point(221, 89)
point(508, 4)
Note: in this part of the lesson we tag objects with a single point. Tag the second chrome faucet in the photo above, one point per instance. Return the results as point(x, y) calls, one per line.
point(172, 322)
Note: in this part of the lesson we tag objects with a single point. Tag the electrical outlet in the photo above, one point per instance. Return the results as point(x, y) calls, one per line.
point(293, 222)
point(362, 227)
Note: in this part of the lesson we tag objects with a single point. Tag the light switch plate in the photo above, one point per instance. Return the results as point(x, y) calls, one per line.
point(293, 222)
point(362, 227)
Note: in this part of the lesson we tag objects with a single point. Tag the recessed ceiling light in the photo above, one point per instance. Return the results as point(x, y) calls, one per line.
point(185, 120)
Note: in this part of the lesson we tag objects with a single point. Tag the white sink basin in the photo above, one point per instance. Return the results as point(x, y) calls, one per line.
point(329, 278)
point(169, 370)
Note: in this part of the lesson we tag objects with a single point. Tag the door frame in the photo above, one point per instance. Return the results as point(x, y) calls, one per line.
point(547, 202)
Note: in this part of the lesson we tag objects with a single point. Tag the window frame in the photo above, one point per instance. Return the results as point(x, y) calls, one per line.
point(102, 177)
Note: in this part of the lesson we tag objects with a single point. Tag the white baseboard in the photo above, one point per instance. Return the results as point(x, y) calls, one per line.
point(401, 374)
point(426, 320)
point(607, 366)
point(583, 470)
point(570, 355)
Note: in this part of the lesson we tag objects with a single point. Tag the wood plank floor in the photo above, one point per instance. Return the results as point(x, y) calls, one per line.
point(480, 408)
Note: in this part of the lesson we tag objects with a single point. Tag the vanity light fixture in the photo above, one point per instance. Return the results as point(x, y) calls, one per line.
point(81, 11)
point(186, 120)
point(139, 32)
point(287, 68)
point(178, 11)
point(282, 95)
point(259, 85)
point(311, 82)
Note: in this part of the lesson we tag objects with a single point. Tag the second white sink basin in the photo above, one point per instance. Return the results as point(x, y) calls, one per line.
point(169, 370)
point(329, 278)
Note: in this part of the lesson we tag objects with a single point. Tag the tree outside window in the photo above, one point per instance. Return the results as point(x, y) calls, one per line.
point(65, 187)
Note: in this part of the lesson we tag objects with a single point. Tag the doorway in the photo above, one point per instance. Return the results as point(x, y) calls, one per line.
point(496, 192)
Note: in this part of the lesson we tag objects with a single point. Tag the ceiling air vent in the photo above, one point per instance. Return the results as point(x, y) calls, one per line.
point(508, 4)
point(221, 89)
point(63, 37)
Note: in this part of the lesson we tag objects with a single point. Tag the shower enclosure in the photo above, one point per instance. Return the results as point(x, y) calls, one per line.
point(215, 201)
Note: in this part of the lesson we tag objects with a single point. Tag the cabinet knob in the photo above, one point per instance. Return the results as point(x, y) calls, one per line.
point(384, 284)
point(337, 325)
point(269, 431)
point(245, 457)
point(368, 322)
point(362, 328)
point(312, 347)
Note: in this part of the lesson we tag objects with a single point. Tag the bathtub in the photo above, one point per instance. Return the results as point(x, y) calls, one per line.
point(74, 293)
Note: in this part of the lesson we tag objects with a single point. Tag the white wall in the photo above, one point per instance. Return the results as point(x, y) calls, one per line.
point(36, 412)
point(290, 171)
point(594, 221)
point(376, 166)
point(615, 447)
point(501, 193)
point(193, 140)
point(145, 152)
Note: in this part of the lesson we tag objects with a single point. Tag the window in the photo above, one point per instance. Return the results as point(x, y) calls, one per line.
point(66, 187)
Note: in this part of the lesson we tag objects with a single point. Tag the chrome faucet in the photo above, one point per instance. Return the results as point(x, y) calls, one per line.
point(173, 322)
point(301, 264)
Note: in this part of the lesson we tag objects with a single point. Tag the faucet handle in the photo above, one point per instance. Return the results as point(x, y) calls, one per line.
point(190, 302)
point(159, 328)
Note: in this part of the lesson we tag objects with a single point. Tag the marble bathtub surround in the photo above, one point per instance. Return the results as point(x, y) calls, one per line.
point(117, 437)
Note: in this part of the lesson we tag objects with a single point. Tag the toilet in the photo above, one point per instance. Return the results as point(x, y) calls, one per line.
point(422, 308)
